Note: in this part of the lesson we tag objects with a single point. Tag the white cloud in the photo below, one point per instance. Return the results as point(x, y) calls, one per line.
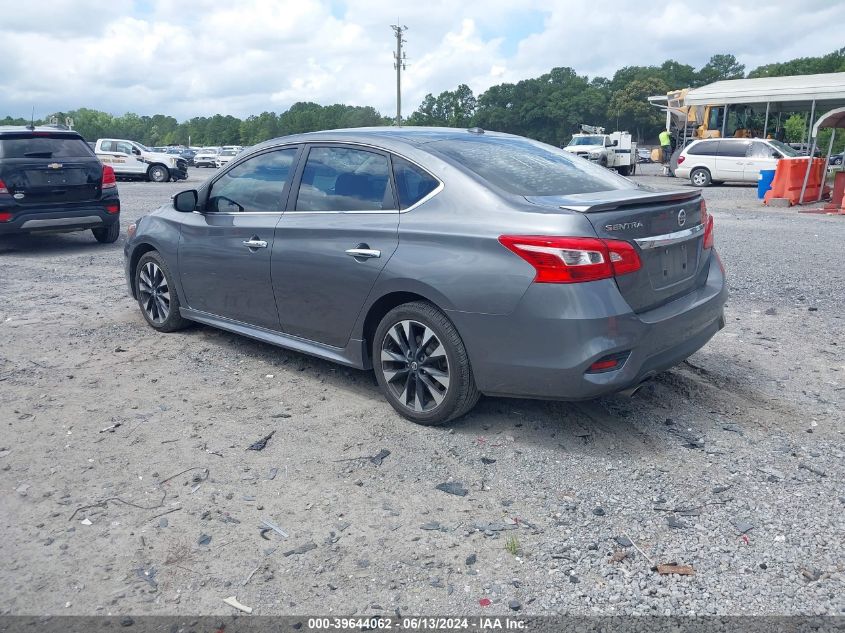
point(244, 57)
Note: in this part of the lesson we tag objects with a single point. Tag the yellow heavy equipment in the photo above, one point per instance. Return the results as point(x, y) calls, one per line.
point(708, 121)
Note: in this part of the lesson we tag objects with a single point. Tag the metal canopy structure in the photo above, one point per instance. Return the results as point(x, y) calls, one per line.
point(835, 118)
point(791, 94)
point(781, 95)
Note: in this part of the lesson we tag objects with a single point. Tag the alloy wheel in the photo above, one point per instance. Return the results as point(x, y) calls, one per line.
point(415, 366)
point(154, 293)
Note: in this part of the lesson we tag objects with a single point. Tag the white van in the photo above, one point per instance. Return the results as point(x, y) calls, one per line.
point(730, 159)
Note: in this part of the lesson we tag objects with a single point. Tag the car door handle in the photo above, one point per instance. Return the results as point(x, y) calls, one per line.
point(363, 253)
point(255, 243)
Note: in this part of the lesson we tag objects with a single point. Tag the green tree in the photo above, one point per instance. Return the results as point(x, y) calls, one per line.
point(677, 75)
point(424, 115)
point(721, 67)
point(831, 63)
point(795, 128)
point(630, 105)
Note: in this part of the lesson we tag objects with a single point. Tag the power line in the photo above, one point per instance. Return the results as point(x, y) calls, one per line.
point(399, 63)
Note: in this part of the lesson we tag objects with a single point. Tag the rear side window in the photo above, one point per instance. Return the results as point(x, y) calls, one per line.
point(528, 168)
point(412, 183)
point(344, 179)
point(43, 146)
point(734, 149)
point(704, 148)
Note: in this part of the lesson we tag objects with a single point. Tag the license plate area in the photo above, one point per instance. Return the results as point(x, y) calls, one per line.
point(673, 264)
point(55, 178)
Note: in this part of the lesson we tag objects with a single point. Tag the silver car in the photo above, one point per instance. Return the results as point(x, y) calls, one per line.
point(452, 262)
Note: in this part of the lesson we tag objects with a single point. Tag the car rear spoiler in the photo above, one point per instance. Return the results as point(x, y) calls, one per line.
point(610, 200)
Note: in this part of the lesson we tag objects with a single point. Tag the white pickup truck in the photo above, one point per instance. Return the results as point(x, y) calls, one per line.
point(133, 160)
point(614, 151)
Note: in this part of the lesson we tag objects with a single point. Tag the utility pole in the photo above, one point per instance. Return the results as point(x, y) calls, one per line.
point(399, 59)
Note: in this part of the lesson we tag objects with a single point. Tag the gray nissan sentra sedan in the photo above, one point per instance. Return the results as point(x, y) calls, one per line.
point(453, 262)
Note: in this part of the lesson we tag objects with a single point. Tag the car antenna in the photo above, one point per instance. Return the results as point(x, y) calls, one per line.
point(32, 119)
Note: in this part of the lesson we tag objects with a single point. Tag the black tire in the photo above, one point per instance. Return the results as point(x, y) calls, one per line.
point(633, 169)
point(625, 170)
point(160, 309)
point(700, 177)
point(158, 173)
point(837, 161)
point(432, 333)
point(107, 234)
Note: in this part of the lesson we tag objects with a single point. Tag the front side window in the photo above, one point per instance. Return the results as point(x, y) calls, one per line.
point(412, 183)
point(760, 150)
point(256, 184)
point(784, 149)
point(344, 179)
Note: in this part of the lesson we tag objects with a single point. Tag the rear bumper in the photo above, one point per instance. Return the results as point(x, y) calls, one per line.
point(682, 172)
point(47, 219)
point(545, 347)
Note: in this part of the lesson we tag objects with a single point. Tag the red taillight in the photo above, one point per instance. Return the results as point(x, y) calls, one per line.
point(707, 221)
point(623, 257)
point(109, 181)
point(564, 260)
point(5, 216)
point(601, 365)
point(112, 208)
point(681, 159)
point(3, 187)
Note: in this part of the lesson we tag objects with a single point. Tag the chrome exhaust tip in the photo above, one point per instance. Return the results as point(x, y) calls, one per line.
point(630, 392)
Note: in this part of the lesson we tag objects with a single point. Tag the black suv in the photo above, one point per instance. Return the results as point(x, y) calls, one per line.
point(51, 180)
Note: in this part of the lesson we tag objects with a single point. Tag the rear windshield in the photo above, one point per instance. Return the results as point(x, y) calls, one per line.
point(43, 146)
point(528, 168)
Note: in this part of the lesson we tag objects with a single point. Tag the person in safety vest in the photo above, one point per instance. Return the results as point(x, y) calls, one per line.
point(665, 144)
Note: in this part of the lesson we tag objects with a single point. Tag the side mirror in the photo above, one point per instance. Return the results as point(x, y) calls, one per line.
point(136, 151)
point(186, 201)
point(777, 155)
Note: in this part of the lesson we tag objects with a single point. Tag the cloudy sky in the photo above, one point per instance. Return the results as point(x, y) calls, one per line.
point(240, 57)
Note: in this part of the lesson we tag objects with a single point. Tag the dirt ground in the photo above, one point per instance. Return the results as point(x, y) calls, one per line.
point(126, 486)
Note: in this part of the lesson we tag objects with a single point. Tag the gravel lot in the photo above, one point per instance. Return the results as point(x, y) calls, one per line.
point(732, 463)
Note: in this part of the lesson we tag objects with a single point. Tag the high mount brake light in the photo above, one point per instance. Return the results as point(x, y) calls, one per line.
point(564, 260)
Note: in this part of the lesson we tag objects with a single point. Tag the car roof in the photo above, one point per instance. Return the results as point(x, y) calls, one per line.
point(42, 129)
point(730, 138)
point(410, 135)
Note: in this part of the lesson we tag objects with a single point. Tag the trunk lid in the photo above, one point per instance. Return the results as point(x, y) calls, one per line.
point(667, 230)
